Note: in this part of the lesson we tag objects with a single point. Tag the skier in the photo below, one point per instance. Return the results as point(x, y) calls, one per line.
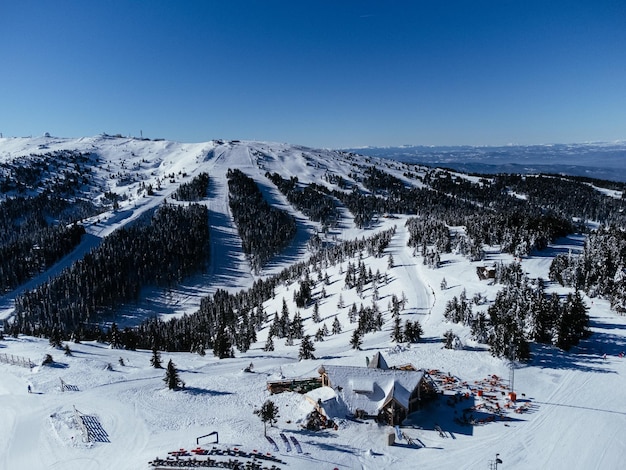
point(29, 388)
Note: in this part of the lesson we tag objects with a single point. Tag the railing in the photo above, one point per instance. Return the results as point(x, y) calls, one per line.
point(16, 360)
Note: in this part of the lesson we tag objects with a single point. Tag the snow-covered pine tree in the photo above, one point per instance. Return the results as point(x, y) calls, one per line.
point(397, 335)
point(479, 328)
point(319, 335)
point(356, 341)
point(315, 316)
point(285, 323)
point(353, 313)
point(306, 348)
point(413, 331)
point(297, 326)
point(336, 327)
point(115, 337)
point(222, 346)
point(172, 380)
point(448, 339)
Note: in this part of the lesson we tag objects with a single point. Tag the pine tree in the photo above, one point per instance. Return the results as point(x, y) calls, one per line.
point(297, 326)
point(306, 348)
point(284, 320)
point(540, 319)
point(222, 346)
point(448, 339)
point(275, 327)
point(115, 337)
point(155, 359)
point(573, 324)
point(269, 344)
point(315, 316)
point(55, 339)
point(403, 301)
point(413, 331)
point(356, 342)
point(268, 414)
point(507, 339)
point(336, 328)
point(172, 380)
point(340, 303)
point(580, 317)
point(352, 314)
point(319, 335)
point(397, 334)
point(479, 328)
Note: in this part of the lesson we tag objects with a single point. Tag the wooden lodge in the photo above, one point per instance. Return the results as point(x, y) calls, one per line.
point(377, 392)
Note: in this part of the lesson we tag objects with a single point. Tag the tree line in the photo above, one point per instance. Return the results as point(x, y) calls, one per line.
point(312, 199)
point(40, 214)
point(263, 229)
point(226, 322)
point(599, 270)
point(195, 190)
point(173, 245)
point(521, 313)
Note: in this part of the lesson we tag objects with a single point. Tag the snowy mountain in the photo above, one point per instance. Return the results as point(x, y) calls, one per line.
point(398, 242)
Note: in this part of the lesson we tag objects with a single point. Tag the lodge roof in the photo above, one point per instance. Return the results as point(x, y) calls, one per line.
point(370, 389)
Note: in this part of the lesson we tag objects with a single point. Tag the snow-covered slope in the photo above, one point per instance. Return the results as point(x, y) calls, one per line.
point(572, 404)
point(126, 166)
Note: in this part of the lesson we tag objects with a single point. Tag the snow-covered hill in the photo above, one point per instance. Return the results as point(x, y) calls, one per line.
point(126, 166)
point(572, 405)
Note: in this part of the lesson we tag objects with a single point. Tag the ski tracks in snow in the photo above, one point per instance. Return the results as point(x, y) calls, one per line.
point(419, 293)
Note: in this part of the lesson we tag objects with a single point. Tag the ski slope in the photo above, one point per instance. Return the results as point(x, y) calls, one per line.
point(576, 400)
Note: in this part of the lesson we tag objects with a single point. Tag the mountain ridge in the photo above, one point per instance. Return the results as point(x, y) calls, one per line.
point(127, 169)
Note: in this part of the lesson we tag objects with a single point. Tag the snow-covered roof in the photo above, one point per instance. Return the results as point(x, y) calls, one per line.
point(378, 362)
point(369, 389)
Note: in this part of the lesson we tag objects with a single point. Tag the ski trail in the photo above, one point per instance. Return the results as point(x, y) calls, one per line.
point(421, 293)
point(21, 453)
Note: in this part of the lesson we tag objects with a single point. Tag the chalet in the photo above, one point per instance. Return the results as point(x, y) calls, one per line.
point(486, 272)
point(377, 392)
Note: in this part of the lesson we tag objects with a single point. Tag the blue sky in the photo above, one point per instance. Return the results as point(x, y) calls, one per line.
point(317, 73)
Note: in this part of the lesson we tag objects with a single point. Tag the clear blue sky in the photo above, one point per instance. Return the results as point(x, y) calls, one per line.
point(318, 73)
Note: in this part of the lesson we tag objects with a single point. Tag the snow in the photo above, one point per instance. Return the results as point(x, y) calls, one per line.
point(369, 389)
point(575, 401)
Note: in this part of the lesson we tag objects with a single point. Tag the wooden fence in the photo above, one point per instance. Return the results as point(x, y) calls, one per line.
point(16, 360)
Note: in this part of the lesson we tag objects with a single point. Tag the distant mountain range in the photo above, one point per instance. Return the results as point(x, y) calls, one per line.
point(594, 160)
